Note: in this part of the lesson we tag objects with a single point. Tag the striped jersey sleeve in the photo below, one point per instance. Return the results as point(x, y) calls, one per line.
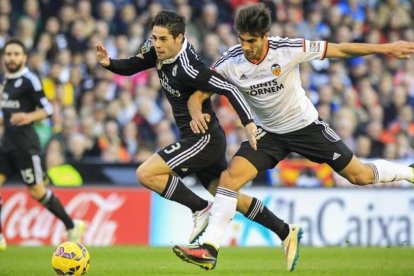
point(210, 81)
point(38, 94)
point(299, 50)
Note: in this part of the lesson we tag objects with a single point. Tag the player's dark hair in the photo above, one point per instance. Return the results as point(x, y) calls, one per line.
point(172, 21)
point(253, 19)
point(14, 41)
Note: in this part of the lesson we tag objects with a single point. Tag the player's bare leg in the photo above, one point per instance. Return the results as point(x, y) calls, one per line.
point(75, 228)
point(156, 175)
point(226, 202)
point(377, 171)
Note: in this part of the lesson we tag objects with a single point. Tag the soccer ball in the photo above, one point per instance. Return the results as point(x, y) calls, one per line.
point(70, 258)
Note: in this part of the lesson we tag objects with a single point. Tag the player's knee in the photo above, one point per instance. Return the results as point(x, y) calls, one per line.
point(2, 179)
point(37, 191)
point(143, 176)
point(227, 180)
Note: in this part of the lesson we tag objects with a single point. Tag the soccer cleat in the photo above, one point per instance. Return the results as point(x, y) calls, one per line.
point(200, 219)
point(75, 234)
point(196, 254)
point(291, 246)
point(3, 244)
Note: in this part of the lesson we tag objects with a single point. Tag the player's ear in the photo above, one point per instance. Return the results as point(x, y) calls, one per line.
point(180, 38)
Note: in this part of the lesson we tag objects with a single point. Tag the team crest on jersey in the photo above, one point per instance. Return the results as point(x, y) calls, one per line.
point(18, 83)
point(159, 64)
point(276, 70)
point(174, 70)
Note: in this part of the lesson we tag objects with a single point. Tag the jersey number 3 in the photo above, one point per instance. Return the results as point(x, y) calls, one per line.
point(172, 148)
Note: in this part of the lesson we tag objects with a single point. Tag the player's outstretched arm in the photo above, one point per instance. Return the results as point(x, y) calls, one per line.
point(399, 49)
point(125, 67)
point(200, 120)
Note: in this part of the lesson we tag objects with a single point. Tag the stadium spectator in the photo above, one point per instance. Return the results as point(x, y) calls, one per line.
point(84, 14)
point(111, 144)
point(59, 172)
point(131, 138)
point(76, 148)
point(4, 29)
point(92, 150)
point(208, 21)
point(393, 15)
point(107, 12)
point(127, 16)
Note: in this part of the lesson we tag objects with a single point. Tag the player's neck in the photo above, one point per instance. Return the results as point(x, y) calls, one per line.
point(17, 74)
point(263, 55)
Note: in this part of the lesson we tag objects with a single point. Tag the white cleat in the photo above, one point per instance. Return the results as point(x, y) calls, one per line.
point(75, 234)
point(291, 246)
point(200, 219)
point(3, 244)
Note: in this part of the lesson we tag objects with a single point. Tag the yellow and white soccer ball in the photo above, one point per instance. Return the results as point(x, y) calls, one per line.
point(70, 258)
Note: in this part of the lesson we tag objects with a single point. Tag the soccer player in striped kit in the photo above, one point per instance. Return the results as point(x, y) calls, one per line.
point(266, 70)
point(22, 103)
point(181, 72)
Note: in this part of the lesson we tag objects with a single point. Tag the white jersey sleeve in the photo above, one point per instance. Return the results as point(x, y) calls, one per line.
point(310, 50)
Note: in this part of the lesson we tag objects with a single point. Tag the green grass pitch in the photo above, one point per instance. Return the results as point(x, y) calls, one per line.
point(258, 261)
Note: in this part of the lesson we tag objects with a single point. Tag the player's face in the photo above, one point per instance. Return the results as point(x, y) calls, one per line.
point(165, 45)
point(14, 58)
point(254, 47)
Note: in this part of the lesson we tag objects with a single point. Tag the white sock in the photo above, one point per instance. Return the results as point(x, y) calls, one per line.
point(385, 171)
point(221, 214)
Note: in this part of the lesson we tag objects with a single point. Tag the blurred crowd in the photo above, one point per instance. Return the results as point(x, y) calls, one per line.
point(100, 116)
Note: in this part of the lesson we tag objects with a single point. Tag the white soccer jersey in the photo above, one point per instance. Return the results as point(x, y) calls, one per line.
point(273, 88)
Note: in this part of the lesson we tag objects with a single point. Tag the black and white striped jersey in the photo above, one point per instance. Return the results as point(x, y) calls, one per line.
point(273, 87)
point(22, 92)
point(180, 77)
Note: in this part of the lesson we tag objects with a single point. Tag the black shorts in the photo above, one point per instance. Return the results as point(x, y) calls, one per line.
point(317, 142)
point(202, 155)
point(29, 166)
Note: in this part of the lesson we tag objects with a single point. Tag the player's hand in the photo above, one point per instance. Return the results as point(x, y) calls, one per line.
point(251, 131)
point(402, 49)
point(102, 55)
point(20, 119)
point(199, 122)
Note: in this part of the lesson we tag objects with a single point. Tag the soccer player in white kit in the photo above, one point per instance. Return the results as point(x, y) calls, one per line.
point(266, 70)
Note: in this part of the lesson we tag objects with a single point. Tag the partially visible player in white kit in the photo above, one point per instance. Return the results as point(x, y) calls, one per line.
point(266, 70)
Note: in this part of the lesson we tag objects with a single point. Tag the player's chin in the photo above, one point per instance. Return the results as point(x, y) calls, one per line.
point(160, 55)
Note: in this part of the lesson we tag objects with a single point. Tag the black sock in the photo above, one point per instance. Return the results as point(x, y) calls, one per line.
point(259, 213)
point(1, 204)
point(178, 192)
point(52, 203)
point(213, 251)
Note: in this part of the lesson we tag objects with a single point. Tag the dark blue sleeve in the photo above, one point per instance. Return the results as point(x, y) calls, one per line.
point(209, 81)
